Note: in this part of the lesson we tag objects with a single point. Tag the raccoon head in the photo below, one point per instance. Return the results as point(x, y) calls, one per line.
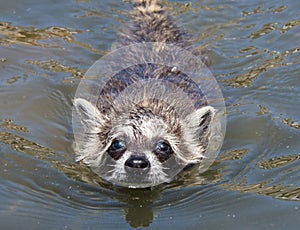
point(143, 144)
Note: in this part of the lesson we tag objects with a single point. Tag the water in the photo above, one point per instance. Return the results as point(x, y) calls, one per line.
point(45, 48)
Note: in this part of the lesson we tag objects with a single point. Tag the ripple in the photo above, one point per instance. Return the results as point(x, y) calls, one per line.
point(266, 29)
point(278, 161)
point(253, 183)
point(289, 25)
point(276, 191)
point(54, 66)
point(32, 36)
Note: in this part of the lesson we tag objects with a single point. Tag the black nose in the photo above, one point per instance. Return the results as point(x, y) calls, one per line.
point(140, 162)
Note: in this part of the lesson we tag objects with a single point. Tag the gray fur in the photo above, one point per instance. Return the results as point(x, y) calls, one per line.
point(151, 23)
point(143, 122)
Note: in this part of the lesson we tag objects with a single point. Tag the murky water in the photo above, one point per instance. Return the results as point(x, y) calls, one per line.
point(45, 48)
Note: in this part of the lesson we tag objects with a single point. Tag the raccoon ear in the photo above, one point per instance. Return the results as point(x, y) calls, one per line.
point(196, 130)
point(89, 114)
point(199, 121)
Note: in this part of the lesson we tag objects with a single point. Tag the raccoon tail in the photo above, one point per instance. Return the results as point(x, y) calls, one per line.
point(147, 6)
point(151, 23)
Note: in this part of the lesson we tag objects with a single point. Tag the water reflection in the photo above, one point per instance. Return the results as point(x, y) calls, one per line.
point(275, 191)
point(54, 66)
point(255, 52)
point(278, 161)
point(32, 36)
point(139, 205)
point(10, 35)
point(277, 60)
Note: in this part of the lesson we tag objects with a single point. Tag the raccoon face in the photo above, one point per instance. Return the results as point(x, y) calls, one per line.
point(162, 150)
point(138, 146)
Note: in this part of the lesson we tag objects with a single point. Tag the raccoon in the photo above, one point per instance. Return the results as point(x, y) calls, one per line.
point(148, 136)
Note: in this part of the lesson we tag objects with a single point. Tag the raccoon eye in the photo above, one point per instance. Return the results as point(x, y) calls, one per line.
point(118, 144)
point(163, 146)
point(116, 149)
point(163, 151)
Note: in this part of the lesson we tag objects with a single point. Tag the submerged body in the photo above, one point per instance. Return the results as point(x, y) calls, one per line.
point(141, 128)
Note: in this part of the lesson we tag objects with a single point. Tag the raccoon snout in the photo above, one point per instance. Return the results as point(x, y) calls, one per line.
point(137, 162)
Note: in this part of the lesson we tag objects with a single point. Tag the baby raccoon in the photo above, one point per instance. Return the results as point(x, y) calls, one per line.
point(140, 132)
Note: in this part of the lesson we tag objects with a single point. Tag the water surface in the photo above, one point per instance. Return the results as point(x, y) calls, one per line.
point(45, 48)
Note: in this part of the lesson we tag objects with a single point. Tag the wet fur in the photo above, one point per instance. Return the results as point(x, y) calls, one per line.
point(140, 120)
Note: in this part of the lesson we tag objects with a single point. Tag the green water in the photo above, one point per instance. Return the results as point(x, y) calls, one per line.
point(45, 48)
